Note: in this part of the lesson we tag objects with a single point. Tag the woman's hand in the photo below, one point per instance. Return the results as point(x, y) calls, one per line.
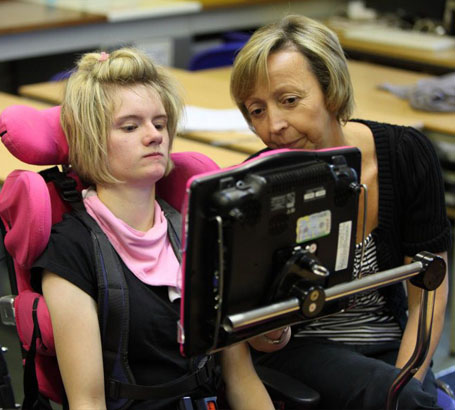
point(244, 389)
point(77, 342)
point(271, 341)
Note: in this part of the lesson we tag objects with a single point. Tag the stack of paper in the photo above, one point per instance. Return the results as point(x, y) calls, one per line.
point(206, 119)
point(118, 10)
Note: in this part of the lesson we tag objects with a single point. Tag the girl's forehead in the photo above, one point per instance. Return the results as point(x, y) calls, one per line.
point(138, 95)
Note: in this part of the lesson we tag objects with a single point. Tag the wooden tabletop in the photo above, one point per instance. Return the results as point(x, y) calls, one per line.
point(222, 156)
point(210, 4)
point(437, 58)
point(20, 17)
point(371, 102)
point(197, 88)
point(380, 105)
point(210, 89)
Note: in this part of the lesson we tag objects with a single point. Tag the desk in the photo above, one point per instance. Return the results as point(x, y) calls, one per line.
point(222, 156)
point(23, 40)
point(197, 88)
point(442, 61)
point(22, 17)
point(210, 88)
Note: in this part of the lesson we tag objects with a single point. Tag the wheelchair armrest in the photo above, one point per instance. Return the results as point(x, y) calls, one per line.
point(7, 312)
point(289, 388)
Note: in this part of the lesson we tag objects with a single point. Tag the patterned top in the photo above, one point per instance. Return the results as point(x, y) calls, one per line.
point(365, 321)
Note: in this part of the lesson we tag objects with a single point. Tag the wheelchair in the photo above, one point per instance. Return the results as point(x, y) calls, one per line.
point(29, 206)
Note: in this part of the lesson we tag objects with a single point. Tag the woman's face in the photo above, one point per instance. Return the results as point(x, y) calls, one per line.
point(138, 145)
point(290, 110)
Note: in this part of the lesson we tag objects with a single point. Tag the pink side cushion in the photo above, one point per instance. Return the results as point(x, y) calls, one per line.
point(187, 164)
point(23, 305)
point(34, 136)
point(25, 210)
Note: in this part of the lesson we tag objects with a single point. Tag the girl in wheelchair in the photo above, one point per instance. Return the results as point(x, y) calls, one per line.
point(120, 115)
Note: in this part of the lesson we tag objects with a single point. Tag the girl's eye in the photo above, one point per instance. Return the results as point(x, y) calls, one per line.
point(129, 127)
point(160, 126)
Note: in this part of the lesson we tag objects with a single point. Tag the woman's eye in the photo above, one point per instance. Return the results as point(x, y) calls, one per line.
point(256, 112)
point(290, 100)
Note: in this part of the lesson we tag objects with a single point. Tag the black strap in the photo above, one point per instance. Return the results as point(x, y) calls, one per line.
point(6, 389)
point(174, 227)
point(32, 397)
point(113, 306)
point(67, 186)
point(180, 387)
point(113, 303)
point(114, 309)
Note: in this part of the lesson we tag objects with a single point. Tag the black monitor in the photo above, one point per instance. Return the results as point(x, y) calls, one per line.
point(411, 10)
point(260, 232)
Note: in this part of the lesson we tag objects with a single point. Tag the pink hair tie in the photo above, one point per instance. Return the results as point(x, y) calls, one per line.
point(104, 56)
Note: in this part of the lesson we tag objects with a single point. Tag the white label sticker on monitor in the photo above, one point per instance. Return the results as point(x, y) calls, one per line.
point(285, 202)
point(313, 226)
point(344, 243)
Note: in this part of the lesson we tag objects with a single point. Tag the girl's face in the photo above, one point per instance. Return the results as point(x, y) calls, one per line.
point(290, 110)
point(138, 145)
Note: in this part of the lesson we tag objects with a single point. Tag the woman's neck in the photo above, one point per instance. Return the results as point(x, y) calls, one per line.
point(134, 206)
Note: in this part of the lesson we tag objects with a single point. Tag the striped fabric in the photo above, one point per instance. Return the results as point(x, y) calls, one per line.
point(365, 321)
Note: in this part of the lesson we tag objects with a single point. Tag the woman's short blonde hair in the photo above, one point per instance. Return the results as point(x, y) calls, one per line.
point(318, 44)
point(88, 106)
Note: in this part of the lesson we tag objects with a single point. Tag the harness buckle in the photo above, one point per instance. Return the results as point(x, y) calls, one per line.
point(113, 389)
point(205, 370)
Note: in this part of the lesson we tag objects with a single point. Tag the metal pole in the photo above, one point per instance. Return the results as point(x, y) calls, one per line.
point(426, 311)
point(239, 321)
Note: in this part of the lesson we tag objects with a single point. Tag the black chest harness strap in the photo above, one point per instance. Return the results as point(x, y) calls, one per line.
point(113, 311)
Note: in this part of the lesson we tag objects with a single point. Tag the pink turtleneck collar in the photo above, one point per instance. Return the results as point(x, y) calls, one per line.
point(149, 255)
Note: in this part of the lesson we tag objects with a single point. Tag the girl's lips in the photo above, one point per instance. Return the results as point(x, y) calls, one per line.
point(153, 154)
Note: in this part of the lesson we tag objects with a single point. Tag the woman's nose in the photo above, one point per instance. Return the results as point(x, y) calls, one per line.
point(277, 121)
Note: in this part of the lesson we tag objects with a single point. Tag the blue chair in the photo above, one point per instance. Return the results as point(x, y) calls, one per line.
point(62, 75)
point(445, 401)
point(235, 37)
point(219, 56)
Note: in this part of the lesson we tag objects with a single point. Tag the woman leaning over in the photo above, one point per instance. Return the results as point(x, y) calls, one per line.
point(292, 84)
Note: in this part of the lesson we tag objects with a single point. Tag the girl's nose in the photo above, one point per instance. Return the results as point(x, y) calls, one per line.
point(153, 135)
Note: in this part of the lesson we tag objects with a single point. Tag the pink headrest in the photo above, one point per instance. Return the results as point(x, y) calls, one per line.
point(34, 136)
point(25, 211)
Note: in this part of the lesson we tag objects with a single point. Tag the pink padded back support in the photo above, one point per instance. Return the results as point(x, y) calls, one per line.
point(34, 136)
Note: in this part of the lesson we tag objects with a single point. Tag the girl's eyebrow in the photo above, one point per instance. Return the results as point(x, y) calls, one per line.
point(127, 117)
point(160, 117)
point(138, 117)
